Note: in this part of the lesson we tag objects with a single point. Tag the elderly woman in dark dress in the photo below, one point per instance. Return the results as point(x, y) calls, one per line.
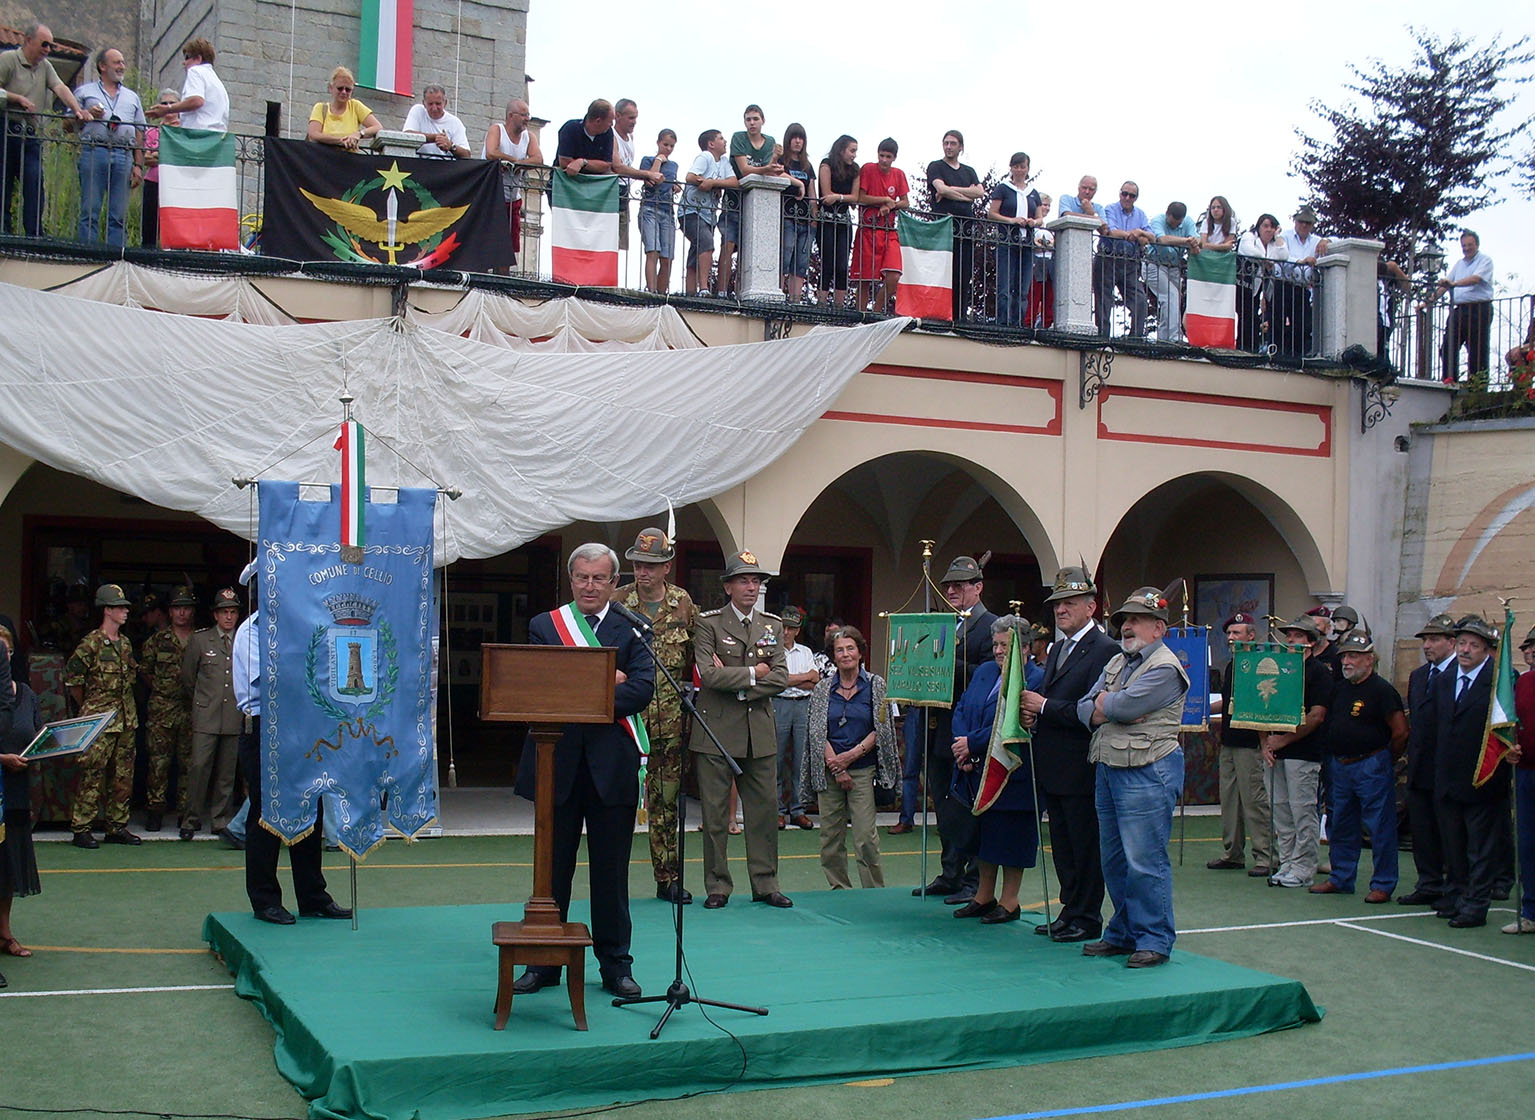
point(1009, 829)
point(20, 721)
point(852, 743)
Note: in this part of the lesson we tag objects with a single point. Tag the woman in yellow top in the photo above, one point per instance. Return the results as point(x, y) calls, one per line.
point(343, 122)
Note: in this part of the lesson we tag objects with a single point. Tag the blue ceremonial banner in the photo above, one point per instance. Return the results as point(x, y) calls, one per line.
point(1191, 645)
point(346, 667)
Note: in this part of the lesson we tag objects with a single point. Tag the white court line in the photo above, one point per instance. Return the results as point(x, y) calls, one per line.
point(1308, 922)
point(122, 991)
point(1435, 945)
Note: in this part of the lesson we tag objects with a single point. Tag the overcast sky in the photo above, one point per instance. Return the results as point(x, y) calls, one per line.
point(1192, 99)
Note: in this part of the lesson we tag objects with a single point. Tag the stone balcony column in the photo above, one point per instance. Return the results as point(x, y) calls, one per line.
point(1347, 300)
point(1074, 272)
point(760, 274)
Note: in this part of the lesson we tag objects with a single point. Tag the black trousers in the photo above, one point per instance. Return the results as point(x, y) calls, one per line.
point(1078, 866)
point(1471, 851)
point(958, 829)
point(1470, 326)
point(262, 847)
point(609, 838)
point(1427, 844)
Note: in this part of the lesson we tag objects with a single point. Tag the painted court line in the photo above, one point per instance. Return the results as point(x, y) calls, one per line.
point(1436, 945)
point(121, 991)
point(1250, 1090)
point(1307, 922)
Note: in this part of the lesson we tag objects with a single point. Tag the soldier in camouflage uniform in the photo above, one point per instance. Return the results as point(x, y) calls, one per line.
point(671, 612)
point(99, 676)
point(170, 713)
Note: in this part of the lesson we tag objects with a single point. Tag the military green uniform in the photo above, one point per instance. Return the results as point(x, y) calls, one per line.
point(207, 676)
point(104, 670)
point(169, 716)
point(673, 619)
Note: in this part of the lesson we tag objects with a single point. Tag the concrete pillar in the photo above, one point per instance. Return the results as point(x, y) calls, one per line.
point(1347, 304)
point(761, 224)
point(1074, 272)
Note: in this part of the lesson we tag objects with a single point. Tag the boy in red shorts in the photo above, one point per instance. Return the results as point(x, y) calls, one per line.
point(882, 190)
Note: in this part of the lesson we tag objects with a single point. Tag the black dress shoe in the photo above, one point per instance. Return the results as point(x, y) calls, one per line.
point(4, 983)
point(1417, 898)
point(1444, 915)
point(959, 897)
point(623, 987)
point(329, 910)
point(774, 898)
point(667, 892)
point(153, 822)
point(532, 979)
point(1106, 949)
point(185, 834)
point(937, 886)
point(974, 909)
point(122, 836)
point(715, 901)
point(232, 840)
point(274, 914)
point(85, 840)
point(1499, 894)
point(1145, 958)
point(1000, 914)
point(1466, 921)
point(1074, 933)
point(1045, 929)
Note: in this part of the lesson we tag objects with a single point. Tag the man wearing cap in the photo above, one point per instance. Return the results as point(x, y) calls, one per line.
point(1244, 798)
point(207, 679)
point(99, 676)
point(1365, 732)
point(1136, 709)
point(1294, 765)
point(1061, 746)
point(671, 613)
point(1292, 288)
point(738, 651)
point(1438, 638)
point(958, 829)
point(1324, 646)
point(791, 711)
point(169, 713)
point(1468, 814)
point(1523, 758)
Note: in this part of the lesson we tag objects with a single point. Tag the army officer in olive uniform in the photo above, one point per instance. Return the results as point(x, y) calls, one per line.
point(206, 673)
point(739, 653)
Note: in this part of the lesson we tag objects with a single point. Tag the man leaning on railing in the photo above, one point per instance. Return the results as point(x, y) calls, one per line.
point(111, 149)
point(27, 77)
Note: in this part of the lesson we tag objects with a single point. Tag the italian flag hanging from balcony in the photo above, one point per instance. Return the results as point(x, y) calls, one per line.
point(584, 230)
point(197, 190)
point(384, 55)
point(927, 256)
point(354, 489)
point(1210, 319)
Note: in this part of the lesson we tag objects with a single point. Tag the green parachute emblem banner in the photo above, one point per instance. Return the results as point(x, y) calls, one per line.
point(1267, 686)
point(922, 659)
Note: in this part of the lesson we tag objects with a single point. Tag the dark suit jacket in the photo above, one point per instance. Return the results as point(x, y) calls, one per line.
point(1060, 741)
point(1420, 733)
point(609, 753)
point(1459, 728)
point(973, 648)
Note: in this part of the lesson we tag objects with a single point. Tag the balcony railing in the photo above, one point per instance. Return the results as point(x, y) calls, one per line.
point(1424, 338)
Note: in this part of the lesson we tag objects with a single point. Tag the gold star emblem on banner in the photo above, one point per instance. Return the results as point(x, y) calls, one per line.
point(394, 177)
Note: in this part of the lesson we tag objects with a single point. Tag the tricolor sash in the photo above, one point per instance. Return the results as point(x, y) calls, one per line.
point(570, 625)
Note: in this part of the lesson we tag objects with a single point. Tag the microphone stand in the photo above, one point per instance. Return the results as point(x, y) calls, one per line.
point(678, 995)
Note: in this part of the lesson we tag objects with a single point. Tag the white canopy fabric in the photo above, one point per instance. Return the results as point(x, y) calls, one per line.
point(171, 408)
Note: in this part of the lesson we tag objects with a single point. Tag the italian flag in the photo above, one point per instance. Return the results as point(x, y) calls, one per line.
point(1007, 731)
point(383, 56)
point(570, 625)
point(1502, 726)
point(585, 230)
point(354, 484)
point(927, 253)
point(197, 190)
point(1210, 315)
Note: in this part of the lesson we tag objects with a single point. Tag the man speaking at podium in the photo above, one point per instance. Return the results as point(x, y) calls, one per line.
point(596, 770)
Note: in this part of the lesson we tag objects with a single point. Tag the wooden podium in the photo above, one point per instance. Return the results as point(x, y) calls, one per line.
point(546, 687)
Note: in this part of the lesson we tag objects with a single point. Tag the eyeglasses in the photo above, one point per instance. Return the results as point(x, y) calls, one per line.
point(590, 581)
point(343, 89)
point(47, 46)
point(1129, 194)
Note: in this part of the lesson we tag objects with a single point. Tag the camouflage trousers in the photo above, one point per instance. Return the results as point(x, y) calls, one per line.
point(663, 782)
point(105, 783)
point(169, 737)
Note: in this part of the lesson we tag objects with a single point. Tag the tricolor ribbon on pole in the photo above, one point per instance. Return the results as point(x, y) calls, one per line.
point(354, 484)
point(1502, 724)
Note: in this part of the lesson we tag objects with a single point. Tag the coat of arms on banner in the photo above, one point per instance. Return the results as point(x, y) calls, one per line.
point(349, 657)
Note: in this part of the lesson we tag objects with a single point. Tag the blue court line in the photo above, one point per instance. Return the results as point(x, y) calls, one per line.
point(1153, 1102)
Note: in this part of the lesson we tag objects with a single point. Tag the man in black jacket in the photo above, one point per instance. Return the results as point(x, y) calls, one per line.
point(1061, 742)
point(1438, 638)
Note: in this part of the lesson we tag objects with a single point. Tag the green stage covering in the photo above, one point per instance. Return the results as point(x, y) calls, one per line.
point(394, 1021)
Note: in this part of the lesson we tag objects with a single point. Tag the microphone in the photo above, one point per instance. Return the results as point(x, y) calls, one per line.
point(638, 621)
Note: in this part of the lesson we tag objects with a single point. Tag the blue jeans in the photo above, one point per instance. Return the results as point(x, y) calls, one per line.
point(1363, 790)
point(1135, 823)
point(24, 161)
point(1015, 265)
point(911, 771)
point(794, 246)
point(791, 717)
point(658, 232)
point(104, 175)
point(1524, 793)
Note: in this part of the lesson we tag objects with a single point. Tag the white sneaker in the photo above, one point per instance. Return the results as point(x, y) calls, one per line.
point(1523, 925)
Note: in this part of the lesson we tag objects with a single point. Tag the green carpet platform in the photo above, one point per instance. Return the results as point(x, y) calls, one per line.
point(394, 1021)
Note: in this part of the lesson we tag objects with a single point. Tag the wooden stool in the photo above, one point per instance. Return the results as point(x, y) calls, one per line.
point(564, 945)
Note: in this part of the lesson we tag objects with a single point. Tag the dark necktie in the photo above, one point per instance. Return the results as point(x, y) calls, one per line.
point(1465, 683)
point(591, 620)
point(1066, 648)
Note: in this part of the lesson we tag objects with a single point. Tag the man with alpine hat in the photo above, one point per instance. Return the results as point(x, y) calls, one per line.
point(99, 676)
point(1366, 730)
point(207, 675)
point(671, 613)
point(958, 830)
point(1294, 761)
point(1135, 709)
point(1061, 746)
point(738, 651)
point(1244, 797)
point(1438, 638)
point(170, 710)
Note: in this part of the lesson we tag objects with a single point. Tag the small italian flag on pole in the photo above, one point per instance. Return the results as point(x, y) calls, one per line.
point(585, 230)
point(354, 489)
point(384, 52)
point(1502, 725)
point(1003, 755)
point(927, 278)
point(1210, 319)
point(197, 190)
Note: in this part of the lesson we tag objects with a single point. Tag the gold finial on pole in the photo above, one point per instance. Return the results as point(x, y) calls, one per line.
point(1016, 605)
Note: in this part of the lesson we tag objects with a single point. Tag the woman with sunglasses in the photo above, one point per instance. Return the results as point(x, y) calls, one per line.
point(343, 121)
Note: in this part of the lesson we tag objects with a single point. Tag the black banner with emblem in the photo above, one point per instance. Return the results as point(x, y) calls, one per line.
point(325, 203)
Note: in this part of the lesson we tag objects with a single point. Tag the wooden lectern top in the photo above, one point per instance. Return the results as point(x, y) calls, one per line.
point(547, 684)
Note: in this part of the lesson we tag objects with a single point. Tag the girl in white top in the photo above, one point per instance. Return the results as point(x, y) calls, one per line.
point(1218, 230)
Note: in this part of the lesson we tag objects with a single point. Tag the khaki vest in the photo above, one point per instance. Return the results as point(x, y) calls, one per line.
point(1156, 735)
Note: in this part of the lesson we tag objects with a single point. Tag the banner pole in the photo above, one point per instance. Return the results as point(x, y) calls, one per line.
point(927, 606)
point(353, 860)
